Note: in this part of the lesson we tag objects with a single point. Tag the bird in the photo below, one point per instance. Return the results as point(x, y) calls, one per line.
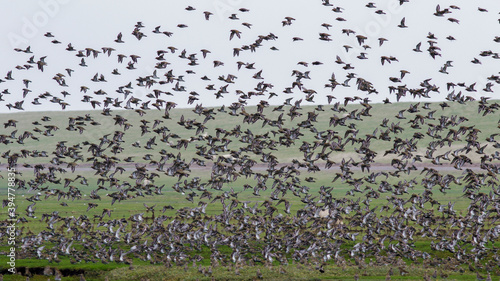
point(207, 15)
point(234, 32)
point(119, 38)
point(402, 24)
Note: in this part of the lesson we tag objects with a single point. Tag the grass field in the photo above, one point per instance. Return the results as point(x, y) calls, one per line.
point(93, 134)
point(289, 272)
point(366, 125)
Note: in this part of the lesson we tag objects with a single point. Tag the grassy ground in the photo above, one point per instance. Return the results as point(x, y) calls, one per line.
point(124, 209)
point(129, 207)
point(367, 271)
point(92, 133)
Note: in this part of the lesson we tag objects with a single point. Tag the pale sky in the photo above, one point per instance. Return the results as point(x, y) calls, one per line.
point(95, 24)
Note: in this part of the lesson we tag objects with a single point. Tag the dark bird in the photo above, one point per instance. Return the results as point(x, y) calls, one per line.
point(402, 24)
point(119, 38)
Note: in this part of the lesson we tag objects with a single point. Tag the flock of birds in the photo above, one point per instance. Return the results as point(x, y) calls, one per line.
point(325, 229)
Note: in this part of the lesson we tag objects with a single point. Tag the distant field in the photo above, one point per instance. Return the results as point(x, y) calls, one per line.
point(96, 126)
point(225, 121)
point(92, 134)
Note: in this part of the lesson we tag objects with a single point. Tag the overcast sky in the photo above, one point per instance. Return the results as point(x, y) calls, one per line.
point(95, 24)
